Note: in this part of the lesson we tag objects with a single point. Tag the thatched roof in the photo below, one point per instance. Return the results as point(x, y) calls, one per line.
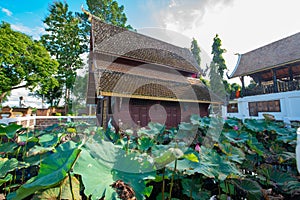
point(114, 40)
point(280, 53)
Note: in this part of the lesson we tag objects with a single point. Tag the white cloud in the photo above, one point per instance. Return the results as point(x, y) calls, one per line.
point(186, 14)
point(6, 11)
point(13, 99)
point(242, 25)
point(35, 32)
point(21, 28)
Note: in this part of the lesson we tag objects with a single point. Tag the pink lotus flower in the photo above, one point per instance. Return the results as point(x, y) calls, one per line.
point(235, 128)
point(197, 148)
point(21, 143)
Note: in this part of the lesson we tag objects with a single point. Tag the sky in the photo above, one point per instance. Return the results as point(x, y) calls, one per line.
point(242, 25)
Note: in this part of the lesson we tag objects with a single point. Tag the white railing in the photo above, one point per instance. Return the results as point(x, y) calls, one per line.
point(30, 121)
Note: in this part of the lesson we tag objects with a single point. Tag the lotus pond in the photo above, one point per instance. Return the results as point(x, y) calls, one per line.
point(207, 158)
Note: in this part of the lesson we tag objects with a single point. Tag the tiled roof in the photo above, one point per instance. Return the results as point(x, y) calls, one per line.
point(102, 62)
point(279, 53)
point(120, 42)
point(114, 83)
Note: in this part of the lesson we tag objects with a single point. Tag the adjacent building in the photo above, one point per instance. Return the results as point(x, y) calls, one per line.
point(275, 68)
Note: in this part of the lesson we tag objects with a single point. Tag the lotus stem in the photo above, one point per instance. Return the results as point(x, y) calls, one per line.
point(191, 189)
point(71, 187)
point(127, 148)
point(172, 180)
point(163, 185)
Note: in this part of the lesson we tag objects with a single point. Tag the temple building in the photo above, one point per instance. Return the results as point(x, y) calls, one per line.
point(275, 69)
point(135, 79)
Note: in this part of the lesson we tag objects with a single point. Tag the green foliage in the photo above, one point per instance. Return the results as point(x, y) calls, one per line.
point(61, 192)
point(66, 41)
point(253, 189)
point(50, 173)
point(7, 165)
point(217, 53)
point(195, 49)
point(194, 188)
point(9, 131)
point(235, 159)
point(111, 163)
point(23, 60)
point(109, 11)
point(86, 167)
point(79, 92)
point(216, 84)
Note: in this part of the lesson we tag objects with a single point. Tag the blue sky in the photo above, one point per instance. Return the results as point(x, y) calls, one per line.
point(242, 25)
point(27, 15)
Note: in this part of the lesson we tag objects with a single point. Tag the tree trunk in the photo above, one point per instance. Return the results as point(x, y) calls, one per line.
point(2, 97)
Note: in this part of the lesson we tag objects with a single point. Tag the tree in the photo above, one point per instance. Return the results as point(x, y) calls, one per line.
point(49, 95)
point(79, 93)
point(66, 41)
point(24, 62)
point(195, 49)
point(217, 53)
point(109, 11)
point(217, 89)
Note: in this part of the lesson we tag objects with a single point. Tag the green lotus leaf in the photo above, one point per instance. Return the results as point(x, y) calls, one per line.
point(96, 177)
point(194, 187)
point(49, 140)
point(7, 165)
point(256, 146)
point(231, 122)
point(145, 143)
point(35, 150)
point(27, 137)
point(7, 178)
point(192, 157)
point(250, 187)
point(52, 171)
point(255, 125)
point(9, 130)
point(236, 137)
point(8, 147)
point(167, 157)
point(233, 153)
point(102, 163)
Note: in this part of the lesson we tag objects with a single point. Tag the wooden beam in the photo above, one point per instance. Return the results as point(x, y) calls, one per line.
point(156, 98)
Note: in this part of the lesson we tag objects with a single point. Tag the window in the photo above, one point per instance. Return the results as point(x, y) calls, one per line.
point(232, 108)
point(264, 106)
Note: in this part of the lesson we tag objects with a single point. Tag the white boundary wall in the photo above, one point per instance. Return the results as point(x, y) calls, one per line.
point(289, 103)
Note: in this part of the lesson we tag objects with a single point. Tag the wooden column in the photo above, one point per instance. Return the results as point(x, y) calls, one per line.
point(291, 85)
point(99, 111)
point(259, 80)
point(243, 86)
point(275, 80)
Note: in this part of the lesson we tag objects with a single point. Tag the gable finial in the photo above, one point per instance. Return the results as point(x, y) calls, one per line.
point(87, 13)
